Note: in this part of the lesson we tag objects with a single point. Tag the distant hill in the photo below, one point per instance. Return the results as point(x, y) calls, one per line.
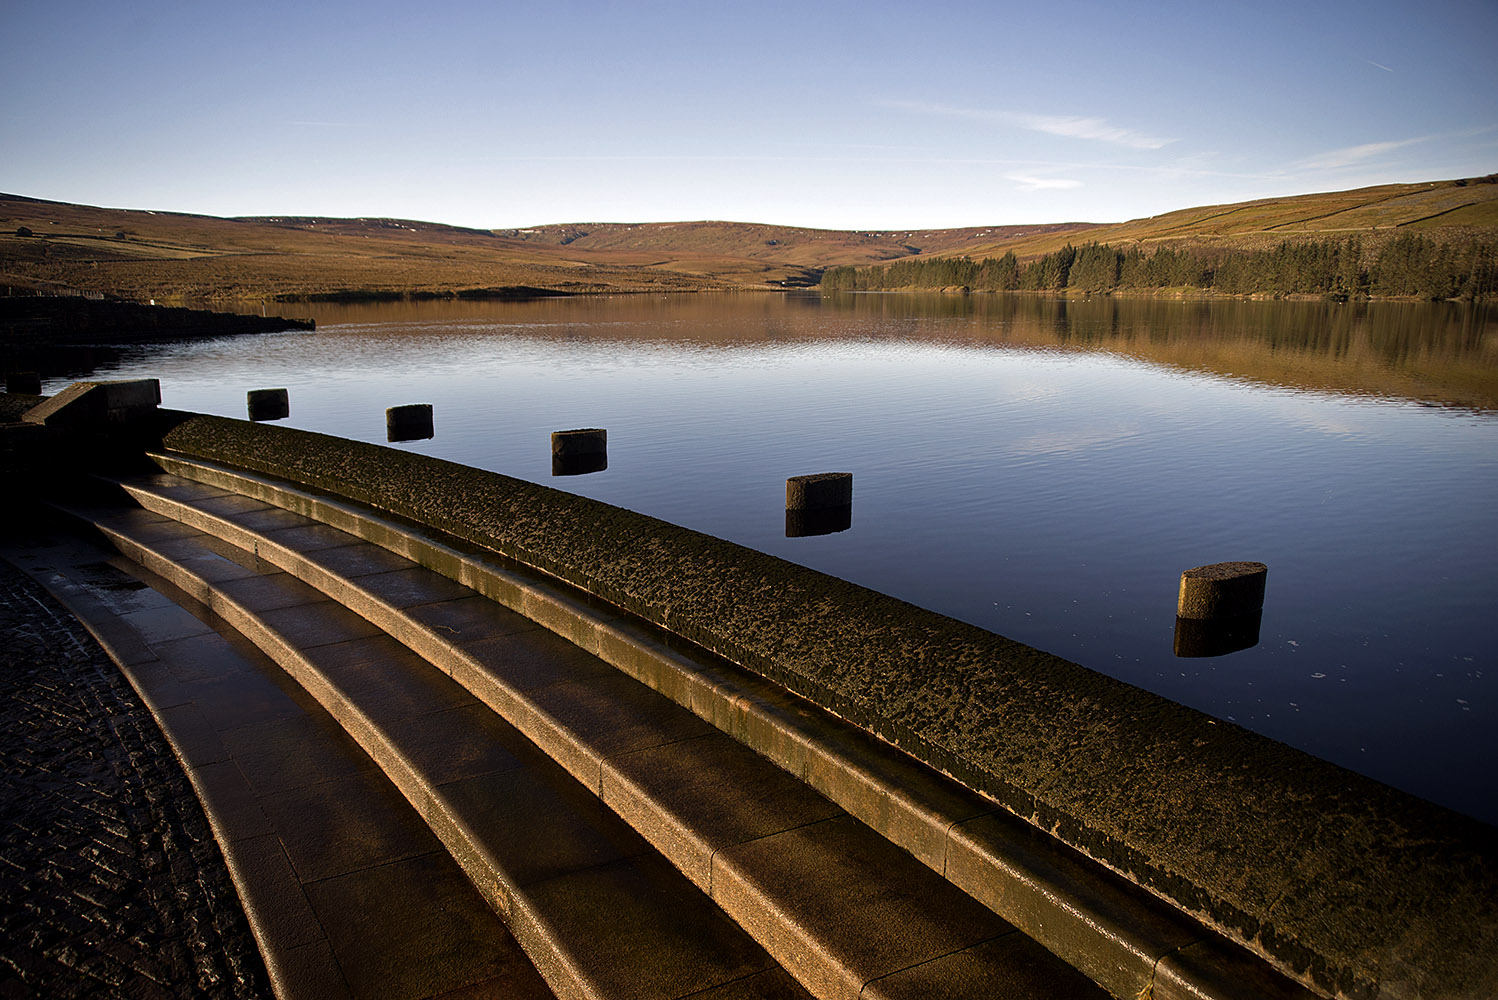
point(721, 248)
point(172, 256)
point(1445, 211)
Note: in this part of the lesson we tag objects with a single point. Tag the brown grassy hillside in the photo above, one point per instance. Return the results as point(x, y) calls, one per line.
point(169, 256)
point(1445, 211)
point(751, 252)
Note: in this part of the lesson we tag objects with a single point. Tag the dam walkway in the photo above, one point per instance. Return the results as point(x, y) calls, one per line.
point(421, 790)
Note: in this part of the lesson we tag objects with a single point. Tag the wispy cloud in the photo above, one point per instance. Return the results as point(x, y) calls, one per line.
point(1354, 155)
point(1071, 126)
point(1357, 154)
point(1381, 66)
point(1042, 183)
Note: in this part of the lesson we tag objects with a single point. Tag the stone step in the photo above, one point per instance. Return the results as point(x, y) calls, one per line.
point(597, 911)
point(312, 832)
point(835, 903)
point(1118, 934)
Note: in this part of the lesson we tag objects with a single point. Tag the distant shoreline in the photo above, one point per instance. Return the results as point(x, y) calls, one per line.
point(59, 335)
point(1171, 294)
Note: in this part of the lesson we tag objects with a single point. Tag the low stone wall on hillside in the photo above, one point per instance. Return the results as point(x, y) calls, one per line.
point(1353, 887)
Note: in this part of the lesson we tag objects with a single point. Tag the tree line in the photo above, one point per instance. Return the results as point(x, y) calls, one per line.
point(1408, 265)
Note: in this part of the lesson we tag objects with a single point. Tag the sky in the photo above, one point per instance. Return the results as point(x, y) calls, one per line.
point(875, 115)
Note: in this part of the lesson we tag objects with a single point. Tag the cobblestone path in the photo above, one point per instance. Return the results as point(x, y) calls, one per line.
point(110, 881)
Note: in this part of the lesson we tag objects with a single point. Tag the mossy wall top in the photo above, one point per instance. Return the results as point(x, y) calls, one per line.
point(1360, 888)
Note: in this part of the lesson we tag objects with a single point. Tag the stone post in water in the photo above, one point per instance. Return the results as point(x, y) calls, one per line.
point(1220, 608)
point(409, 423)
point(1222, 590)
point(819, 504)
point(579, 452)
point(268, 404)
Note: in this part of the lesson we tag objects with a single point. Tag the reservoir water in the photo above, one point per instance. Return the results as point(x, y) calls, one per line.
point(1044, 469)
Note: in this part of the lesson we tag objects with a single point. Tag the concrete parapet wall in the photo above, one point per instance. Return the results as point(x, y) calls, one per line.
point(88, 404)
point(1350, 886)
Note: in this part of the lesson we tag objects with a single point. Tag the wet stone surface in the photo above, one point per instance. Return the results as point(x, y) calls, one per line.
point(110, 881)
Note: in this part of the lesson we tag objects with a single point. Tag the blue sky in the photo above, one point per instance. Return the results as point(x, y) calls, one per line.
point(870, 115)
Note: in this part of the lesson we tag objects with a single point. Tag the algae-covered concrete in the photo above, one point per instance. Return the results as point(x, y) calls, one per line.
point(1350, 886)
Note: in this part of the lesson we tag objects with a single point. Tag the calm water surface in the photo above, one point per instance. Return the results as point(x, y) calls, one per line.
point(1042, 469)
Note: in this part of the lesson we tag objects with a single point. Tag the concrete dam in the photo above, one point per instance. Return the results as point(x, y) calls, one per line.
point(672, 766)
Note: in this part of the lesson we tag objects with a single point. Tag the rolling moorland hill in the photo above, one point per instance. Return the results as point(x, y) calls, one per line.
point(170, 256)
point(176, 257)
point(722, 248)
point(1444, 211)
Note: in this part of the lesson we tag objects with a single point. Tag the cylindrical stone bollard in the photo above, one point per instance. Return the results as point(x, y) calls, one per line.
point(409, 423)
point(820, 491)
point(819, 504)
point(268, 404)
point(579, 452)
point(23, 383)
point(583, 441)
point(1222, 590)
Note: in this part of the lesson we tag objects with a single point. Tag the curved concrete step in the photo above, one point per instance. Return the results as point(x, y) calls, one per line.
point(598, 912)
point(1118, 934)
point(836, 904)
point(310, 829)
